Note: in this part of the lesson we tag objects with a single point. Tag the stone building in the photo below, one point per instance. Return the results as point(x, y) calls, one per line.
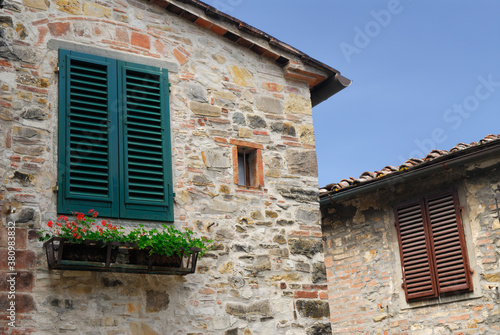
point(222, 96)
point(415, 249)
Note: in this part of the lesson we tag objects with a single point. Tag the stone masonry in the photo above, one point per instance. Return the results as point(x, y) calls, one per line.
point(364, 268)
point(266, 274)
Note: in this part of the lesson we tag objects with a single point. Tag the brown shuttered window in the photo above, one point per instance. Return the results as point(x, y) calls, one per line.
point(432, 247)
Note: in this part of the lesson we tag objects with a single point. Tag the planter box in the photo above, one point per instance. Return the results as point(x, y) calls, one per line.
point(88, 252)
point(142, 257)
point(115, 257)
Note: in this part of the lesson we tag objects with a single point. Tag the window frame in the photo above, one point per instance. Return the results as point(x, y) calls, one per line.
point(247, 167)
point(257, 169)
point(423, 204)
point(116, 204)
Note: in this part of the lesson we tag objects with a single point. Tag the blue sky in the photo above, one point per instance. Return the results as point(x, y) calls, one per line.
point(426, 74)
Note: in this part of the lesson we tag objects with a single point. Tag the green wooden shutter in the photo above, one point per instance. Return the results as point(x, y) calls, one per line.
point(448, 243)
point(114, 138)
point(416, 253)
point(145, 159)
point(86, 134)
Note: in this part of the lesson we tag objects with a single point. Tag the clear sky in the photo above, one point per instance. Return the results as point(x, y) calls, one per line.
point(426, 74)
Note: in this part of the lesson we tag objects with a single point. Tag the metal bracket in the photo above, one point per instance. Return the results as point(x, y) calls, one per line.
point(331, 199)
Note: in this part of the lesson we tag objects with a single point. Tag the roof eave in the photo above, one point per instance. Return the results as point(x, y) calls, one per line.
point(448, 162)
point(328, 88)
point(323, 80)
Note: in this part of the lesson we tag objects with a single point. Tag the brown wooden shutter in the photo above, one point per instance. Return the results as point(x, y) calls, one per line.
point(416, 253)
point(448, 243)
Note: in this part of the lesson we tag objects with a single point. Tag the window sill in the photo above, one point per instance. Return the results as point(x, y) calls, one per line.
point(440, 300)
point(250, 189)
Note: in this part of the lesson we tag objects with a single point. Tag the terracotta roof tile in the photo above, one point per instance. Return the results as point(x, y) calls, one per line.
point(459, 146)
point(410, 163)
point(368, 175)
point(435, 154)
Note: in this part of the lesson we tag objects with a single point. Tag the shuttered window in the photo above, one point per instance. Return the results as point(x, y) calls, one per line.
point(432, 247)
point(114, 138)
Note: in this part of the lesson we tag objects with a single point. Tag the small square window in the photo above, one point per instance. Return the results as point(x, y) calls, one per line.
point(247, 167)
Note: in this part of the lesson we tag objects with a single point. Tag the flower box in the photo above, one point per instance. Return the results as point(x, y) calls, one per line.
point(143, 257)
point(115, 257)
point(90, 251)
point(87, 244)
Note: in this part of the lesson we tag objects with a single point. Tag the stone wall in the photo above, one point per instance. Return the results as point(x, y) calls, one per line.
point(364, 268)
point(266, 274)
